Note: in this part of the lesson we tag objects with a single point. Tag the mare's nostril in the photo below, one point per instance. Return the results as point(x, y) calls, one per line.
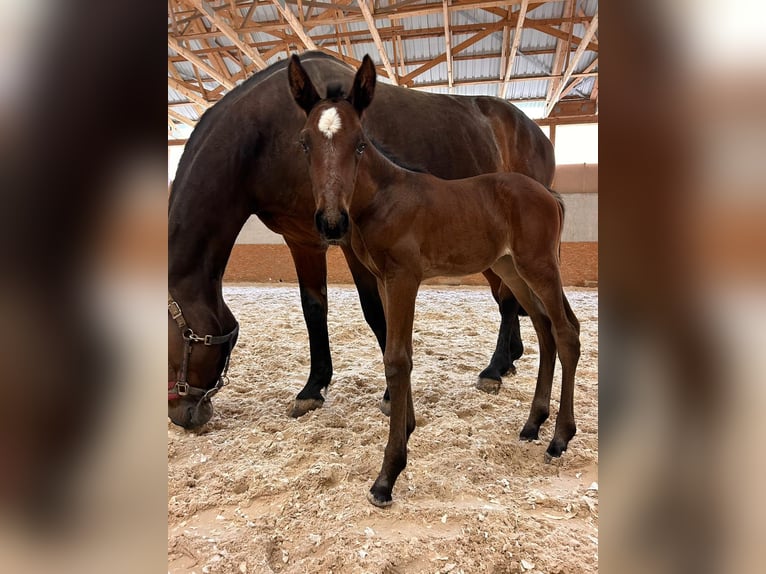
point(319, 221)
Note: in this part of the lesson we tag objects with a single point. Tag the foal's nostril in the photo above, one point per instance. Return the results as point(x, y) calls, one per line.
point(343, 223)
point(332, 230)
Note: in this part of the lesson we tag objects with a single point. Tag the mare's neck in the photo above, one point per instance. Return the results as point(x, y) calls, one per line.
point(201, 235)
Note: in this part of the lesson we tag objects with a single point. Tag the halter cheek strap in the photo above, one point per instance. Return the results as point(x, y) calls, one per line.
point(182, 388)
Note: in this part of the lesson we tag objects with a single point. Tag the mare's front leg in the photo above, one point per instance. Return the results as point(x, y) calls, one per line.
point(372, 307)
point(311, 268)
point(400, 292)
point(509, 346)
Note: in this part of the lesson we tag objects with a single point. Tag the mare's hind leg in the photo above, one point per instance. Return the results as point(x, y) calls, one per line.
point(539, 276)
point(372, 308)
point(509, 346)
point(311, 268)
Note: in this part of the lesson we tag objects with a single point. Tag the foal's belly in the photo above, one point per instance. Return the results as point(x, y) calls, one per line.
point(458, 262)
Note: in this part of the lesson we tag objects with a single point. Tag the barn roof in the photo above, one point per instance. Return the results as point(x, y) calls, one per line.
point(466, 47)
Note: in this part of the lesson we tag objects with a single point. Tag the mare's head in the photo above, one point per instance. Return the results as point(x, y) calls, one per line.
point(199, 345)
point(333, 141)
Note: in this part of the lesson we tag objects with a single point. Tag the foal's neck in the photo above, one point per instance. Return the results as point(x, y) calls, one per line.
point(377, 174)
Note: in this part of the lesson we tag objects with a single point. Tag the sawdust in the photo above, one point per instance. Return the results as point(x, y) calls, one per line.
point(256, 491)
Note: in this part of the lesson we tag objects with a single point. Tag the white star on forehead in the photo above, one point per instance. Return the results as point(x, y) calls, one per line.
point(329, 122)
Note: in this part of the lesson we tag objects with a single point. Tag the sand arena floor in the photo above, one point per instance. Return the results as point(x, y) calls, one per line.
point(256, 491)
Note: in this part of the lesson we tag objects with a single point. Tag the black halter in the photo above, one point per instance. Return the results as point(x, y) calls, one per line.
point(182, 388)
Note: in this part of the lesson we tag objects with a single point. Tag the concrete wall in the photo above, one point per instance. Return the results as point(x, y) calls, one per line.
point(260, 255)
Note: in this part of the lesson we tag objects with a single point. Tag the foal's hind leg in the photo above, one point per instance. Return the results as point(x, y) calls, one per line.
point(540, 407)
point(509, 346)
point(541, 276)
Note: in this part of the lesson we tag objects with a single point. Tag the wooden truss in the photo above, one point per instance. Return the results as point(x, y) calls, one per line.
point(215, 44)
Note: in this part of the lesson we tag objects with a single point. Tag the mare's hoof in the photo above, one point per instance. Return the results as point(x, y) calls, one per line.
point(529, 433)
point(490, 386)
point(511, 371)
point(555, 450)
point(302, 406)
point(385, 407)
point(380, 503)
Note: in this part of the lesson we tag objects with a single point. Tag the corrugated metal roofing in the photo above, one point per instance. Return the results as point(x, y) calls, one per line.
point(479, 70)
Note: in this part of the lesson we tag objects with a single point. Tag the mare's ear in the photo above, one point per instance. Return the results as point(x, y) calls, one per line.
point(300, 85)
point(364, 85)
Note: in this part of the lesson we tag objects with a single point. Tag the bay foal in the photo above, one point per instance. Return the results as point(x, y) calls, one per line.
point(406, 227)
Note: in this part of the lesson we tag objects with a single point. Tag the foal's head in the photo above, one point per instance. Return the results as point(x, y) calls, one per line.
point(333, 141)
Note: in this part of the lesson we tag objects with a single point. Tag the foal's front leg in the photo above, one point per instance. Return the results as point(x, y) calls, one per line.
point(400, 289)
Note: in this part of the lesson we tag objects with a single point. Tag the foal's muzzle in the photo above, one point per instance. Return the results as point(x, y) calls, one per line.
point(332, 229)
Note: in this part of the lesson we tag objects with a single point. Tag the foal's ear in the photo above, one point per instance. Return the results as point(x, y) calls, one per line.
point(364, 85)
point(300, 85)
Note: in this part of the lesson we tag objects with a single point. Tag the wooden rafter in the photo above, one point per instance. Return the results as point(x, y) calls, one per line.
point(551, 31)
point(447, 40)
point(573, 63)
point(376, 38)
point(181, 118)
point(499, 83)
point(233, 40)
point(188, 93)
point(586, 73)
point(558, 60)
point(514, 46)
point(395, 11)
point(296, 26)
point(229, 32)
point(407, 80)
point(176, 46)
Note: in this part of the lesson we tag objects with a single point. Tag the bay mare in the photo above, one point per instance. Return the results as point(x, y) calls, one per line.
point(406, 227)
point(240, 160)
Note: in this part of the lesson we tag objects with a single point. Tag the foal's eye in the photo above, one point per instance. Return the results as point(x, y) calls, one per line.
point(304, 146)
point(360, 148)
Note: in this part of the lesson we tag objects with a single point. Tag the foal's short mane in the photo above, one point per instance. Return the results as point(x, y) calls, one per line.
point(390, 156)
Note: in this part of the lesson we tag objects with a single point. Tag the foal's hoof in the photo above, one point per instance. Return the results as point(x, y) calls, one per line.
point(302, 406)
point(380, 503)
point(385, 407)
point(490, 386)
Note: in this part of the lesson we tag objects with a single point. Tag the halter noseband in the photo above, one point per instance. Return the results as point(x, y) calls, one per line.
point(182, 388)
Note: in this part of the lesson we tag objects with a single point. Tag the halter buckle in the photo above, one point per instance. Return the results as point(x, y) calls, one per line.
point(208, 340)
point(182, 389)
point(174, 309)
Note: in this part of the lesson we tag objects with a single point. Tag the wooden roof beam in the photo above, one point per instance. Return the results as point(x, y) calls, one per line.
point(580, 77)
point(447, 40)
point(592, 27)
point(181, 118)
point(378, 42)
point(514, 46)
point(191, 57)
point(229, 32)
point(297, 27)
point(188, 93)
point(491, 28)
point(555, 32)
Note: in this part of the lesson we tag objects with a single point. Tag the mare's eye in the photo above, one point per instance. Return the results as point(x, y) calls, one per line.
point(304, 146)
point(360, 148)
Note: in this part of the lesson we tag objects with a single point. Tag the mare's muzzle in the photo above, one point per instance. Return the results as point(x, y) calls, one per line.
point(332, 227)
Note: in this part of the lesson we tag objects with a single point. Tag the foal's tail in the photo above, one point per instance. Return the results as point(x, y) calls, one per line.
point(562, 211)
